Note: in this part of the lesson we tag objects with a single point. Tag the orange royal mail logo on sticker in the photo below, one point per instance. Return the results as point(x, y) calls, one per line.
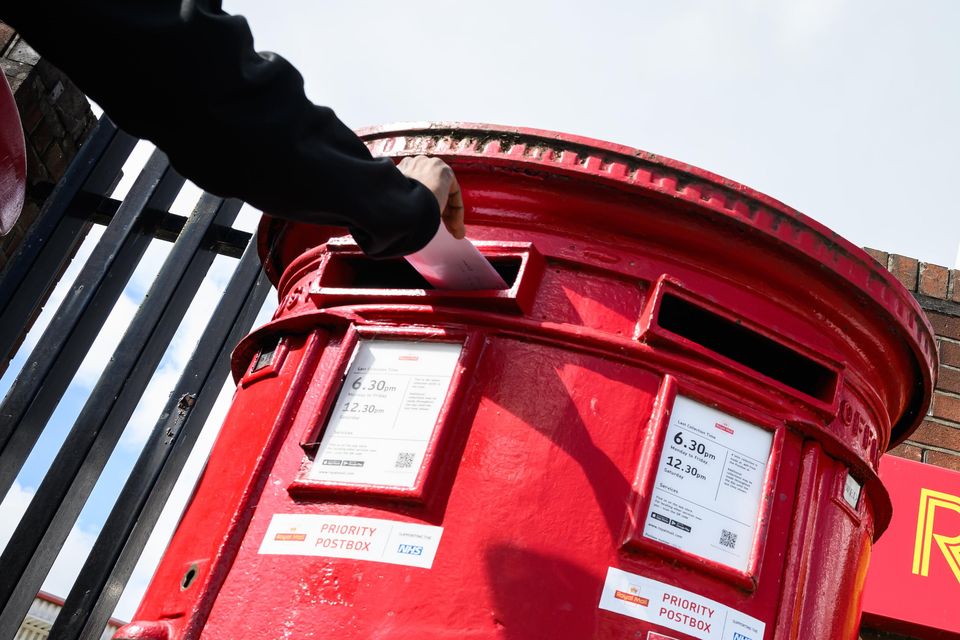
point(933, 537)
point(409, 358)
point(290, 536)
point(633, 596)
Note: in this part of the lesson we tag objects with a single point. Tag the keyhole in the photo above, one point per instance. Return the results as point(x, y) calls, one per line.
point(189, 577)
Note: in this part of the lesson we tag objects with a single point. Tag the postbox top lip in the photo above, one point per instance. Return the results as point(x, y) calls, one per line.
point(596, 161)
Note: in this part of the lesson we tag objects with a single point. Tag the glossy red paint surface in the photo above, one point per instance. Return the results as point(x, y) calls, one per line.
point(634, 279)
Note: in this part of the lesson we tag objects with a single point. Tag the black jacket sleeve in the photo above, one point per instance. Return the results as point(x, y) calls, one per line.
point(184, 75)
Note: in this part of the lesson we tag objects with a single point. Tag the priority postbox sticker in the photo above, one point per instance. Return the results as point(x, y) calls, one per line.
point(674, 608)
point(373, 539)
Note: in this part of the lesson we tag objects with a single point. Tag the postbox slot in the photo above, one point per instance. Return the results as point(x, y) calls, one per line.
point(741, 344)
point(361, 272)
point(348, 277)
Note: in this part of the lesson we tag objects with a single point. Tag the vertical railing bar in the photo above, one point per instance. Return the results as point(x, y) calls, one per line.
point(45, 376)
point(35, 543)
point(124, 535)
point(53, 238)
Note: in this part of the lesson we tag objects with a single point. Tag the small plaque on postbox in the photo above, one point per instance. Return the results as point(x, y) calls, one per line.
point(708, 488)
point(385, 415)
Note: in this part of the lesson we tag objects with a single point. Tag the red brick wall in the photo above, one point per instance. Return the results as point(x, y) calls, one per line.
point(937, 289)
point(937, 440)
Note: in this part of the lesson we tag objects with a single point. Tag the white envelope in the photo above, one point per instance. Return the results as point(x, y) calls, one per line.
point(448, 263)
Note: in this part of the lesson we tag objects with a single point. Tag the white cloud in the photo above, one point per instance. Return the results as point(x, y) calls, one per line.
point(248, 219)
point(12, 508)
point(78, 544)
point(178, 353)
point(146, 272)
point(69, 562)
point(123, 312)
point(60, 291)
point(72, 554)
point(186, 200)
point(107, 340)
point(170, 516)
point(139, 429)
point(131, 168)
point(150, 406)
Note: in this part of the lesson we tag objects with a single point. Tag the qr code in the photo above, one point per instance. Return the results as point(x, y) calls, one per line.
point(404, 460)
point(728, 538)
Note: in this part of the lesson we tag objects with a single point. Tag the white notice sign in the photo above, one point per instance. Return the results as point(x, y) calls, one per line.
point(675, 608)
point(373, 539)
point(707, 492)
point(386, 412)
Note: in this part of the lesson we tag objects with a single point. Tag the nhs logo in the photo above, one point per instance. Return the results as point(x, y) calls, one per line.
point(415, 550)
point(740, 636)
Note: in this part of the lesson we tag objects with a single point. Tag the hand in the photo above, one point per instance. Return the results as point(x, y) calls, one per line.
point(436, 175)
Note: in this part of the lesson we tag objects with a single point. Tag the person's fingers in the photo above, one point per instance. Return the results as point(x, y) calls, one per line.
point(453, 212)
point(437, 176)
point(445, 179)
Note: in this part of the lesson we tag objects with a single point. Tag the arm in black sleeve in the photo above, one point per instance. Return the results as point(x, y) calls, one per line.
point(184, 75)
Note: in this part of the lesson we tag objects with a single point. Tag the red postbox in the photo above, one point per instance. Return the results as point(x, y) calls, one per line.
point(667, 427)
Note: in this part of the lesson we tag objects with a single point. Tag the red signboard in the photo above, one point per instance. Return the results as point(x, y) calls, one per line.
point(914, 581)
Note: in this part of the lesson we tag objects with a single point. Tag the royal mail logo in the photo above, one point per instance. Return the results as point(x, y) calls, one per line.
point(932, 503)
point(723, 427)
point(633, 597)
point(410, 549)
point(290, 537)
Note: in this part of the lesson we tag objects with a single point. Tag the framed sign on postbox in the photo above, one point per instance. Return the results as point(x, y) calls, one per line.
point(383, 426)
point(704, 484)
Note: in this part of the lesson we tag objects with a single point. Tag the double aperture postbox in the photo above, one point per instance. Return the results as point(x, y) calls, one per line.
point(666, 427)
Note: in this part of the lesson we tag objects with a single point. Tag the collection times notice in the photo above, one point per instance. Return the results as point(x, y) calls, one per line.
point(386, 412)
point(708, 488)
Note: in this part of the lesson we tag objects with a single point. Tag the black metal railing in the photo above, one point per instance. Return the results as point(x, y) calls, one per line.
point(83, 198)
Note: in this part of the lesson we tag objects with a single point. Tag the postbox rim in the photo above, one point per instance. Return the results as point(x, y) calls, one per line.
point(598, 161)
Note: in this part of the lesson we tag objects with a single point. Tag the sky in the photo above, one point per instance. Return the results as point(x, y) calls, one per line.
point(843, 109)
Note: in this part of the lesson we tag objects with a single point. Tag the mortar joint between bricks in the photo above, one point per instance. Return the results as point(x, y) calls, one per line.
point(946, 452)
point(943, 422)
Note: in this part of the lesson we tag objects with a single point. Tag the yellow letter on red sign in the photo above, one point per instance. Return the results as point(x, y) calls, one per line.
point(950, 546)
